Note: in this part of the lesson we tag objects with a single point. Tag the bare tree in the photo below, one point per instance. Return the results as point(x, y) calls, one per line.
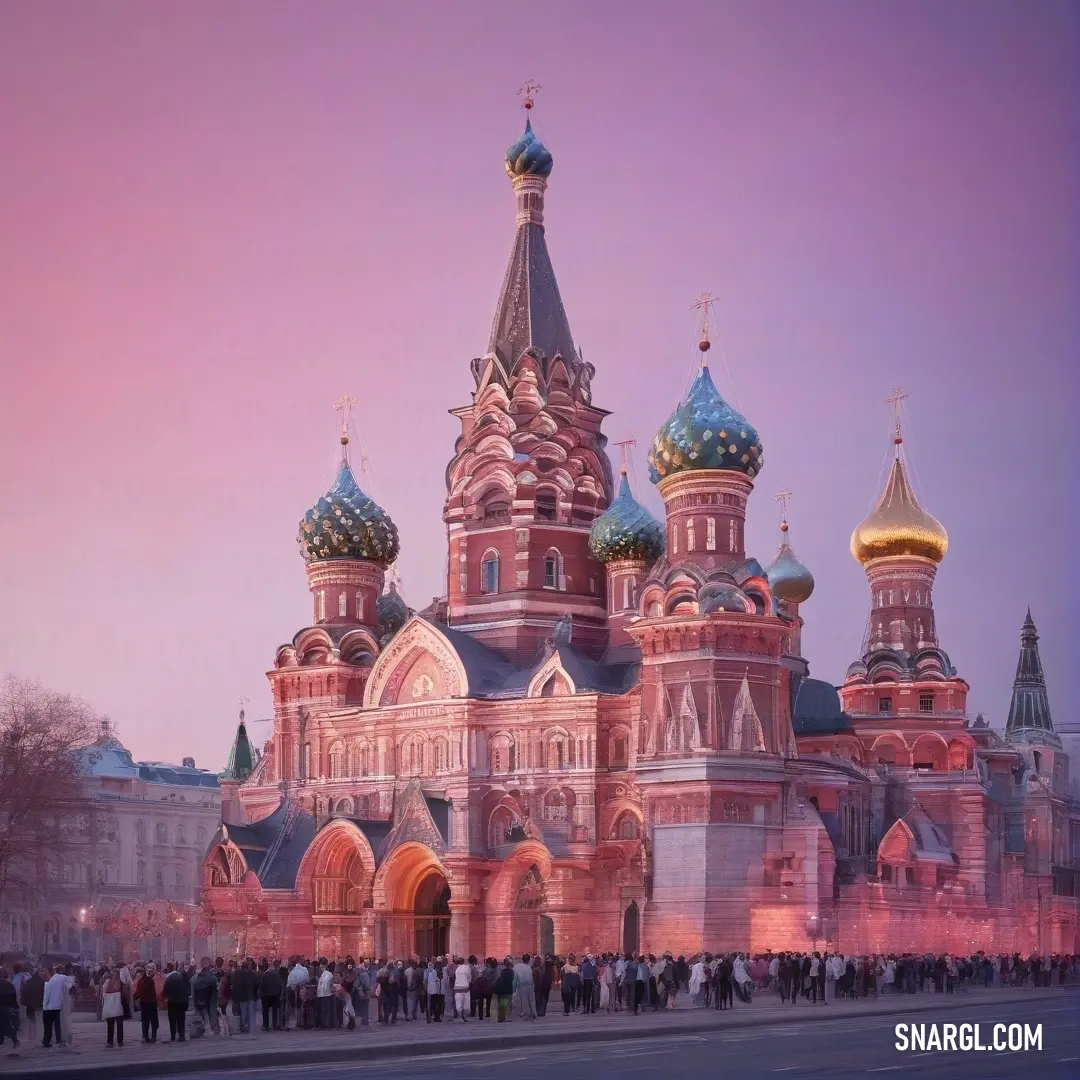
point(41, 734)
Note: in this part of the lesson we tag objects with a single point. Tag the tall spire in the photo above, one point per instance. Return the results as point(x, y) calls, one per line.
point(530, 312)
point(1030, 707)
point(241, 758)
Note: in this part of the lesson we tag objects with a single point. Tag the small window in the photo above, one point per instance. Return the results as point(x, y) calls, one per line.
point(628, 828)
point(200, 835)
point(926, 702)
point(489, 573)
point(884, 704)
point(690, 541)
point(140, 874)
point(497, 513)
point(545, 507)
point(161, 834)
point(360, 607)
point(322, 605)
point(551, 571)
point(675, 538)
point(180, 837)
point(710, 534)
point(342, 604)
point(159, 878)
point(178, 879)
point(732, 538)
point(594, 585)
point(618, 752)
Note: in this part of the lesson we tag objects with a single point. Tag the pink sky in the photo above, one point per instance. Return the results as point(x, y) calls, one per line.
point(218, 217)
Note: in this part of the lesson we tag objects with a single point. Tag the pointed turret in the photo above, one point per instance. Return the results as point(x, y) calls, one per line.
point(1029, 711)
point(530, 312)
point(241, 757)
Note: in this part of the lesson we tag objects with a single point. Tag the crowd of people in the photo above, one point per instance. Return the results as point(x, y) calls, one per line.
point(237, 997)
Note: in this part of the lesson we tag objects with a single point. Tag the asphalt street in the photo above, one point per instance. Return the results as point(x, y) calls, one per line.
point(822, 1048)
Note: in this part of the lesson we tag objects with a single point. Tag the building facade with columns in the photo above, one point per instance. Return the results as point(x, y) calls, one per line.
point(604, 736)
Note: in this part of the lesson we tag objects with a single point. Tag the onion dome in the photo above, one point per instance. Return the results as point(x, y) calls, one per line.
point(898, 525)
point(788, 578)
point(705, 432)
point(391, 611)
point(529, 156)
point(347, 524)
point(626, 530)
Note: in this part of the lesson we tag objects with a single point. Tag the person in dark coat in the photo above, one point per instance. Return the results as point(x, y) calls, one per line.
point(177, 994)
point(270, 995)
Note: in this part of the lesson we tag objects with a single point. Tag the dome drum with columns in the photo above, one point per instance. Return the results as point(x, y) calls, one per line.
point(607, 713)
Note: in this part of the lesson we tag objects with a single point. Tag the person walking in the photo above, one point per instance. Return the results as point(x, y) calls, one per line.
point(112, 1008)
point(504, 990)
point(56, 989)
point(176, 993)
point(524, 991)
point(270, 996)
point(204, 995)
point(433, 985)
point(31, 996)
point(146, 998)
point(462, 987)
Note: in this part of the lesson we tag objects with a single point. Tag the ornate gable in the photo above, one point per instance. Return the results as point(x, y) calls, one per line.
point(419, 665)
point(412, 824)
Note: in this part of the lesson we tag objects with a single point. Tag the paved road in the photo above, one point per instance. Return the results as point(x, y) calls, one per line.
point(830, 1048)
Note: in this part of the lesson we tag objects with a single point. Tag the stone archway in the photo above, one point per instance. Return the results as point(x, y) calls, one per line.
point(411, 897)
point(431, 927)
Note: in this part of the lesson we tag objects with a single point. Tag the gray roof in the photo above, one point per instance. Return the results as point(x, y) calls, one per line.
point(817, 709)
point(492, 676)
point(275, 846)
point(530, 312)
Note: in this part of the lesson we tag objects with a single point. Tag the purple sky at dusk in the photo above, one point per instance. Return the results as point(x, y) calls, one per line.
point(218, 217)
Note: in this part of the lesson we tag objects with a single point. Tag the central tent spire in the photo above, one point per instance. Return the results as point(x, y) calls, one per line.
point(530, 312)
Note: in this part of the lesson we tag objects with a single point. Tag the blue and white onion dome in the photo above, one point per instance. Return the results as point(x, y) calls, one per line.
point(529, 156)
point(347, 524)
point(626, 530)
point(788, 578)
point(705, 432)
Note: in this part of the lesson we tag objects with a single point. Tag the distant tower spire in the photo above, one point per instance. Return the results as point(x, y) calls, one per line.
point(1029, 710)
point(897, 398)
point(702, 304)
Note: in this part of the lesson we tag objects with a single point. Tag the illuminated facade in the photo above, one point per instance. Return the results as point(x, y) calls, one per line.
point(605, 735)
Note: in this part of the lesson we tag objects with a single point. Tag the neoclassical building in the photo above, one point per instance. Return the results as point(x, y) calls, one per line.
point(605, 735)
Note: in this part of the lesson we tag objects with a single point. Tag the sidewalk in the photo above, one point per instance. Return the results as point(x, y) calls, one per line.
point(89, 1060)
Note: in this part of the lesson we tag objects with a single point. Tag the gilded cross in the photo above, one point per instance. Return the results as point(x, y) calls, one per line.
point(783, 497)
point(625, 446)
point(702, 304)
point(528, 91)
point(897, 398)
point(243, 701)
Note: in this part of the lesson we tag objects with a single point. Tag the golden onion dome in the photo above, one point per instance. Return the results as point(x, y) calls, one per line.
point(898, 525)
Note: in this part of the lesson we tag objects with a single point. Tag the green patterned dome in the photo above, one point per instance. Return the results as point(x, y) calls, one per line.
point(626, 530)
point(347, 524)
point(705, 432)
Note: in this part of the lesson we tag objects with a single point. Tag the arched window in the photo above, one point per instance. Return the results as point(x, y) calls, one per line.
point(359, 606)
point(159, 878)
point(627, 828)
point(554, 576)
point(305, 761)
point(343, 603)
point(710, 534)
point(365, 760)
point(496, 511)
point(140, 832)
point(496, 760)
point(628, 593)
point(322, 605)
point(140, 874)
point(178, 878)
point(732, 545)
point(161, 834)
point(689, 534)
point(200, 835)
point(180, 837)
point(557, 753)
point(442, 755)
point(555, 806)
point(675, 538)
point(618, 749)
point(344, 808)
point(656, 609)
point(489, 572)
point(337, 762)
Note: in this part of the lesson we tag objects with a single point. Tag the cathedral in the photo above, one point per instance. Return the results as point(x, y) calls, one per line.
point(605, 735)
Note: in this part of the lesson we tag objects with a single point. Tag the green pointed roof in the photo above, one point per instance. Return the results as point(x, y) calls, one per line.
point(241, 757)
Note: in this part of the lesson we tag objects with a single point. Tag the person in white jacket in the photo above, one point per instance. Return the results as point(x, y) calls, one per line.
point(56, 989)
point(462, 982)
point(325, 994)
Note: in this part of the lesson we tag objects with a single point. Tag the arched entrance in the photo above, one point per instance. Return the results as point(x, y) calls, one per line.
point(630, 928)
point(431, 928)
